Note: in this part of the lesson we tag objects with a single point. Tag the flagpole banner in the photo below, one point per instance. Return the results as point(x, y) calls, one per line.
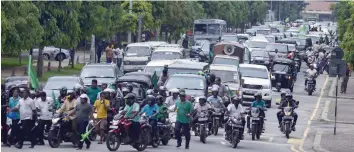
point(34, 83)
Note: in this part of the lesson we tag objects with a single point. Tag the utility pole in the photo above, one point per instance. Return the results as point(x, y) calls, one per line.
point(130, 12)
point(139, 28)
point(279, 10)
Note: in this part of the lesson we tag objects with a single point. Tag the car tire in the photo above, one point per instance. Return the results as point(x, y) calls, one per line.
point(60, 56)
point(46, 56)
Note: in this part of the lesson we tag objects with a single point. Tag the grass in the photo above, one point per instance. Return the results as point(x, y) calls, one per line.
point(9, 62)
point(66, 71)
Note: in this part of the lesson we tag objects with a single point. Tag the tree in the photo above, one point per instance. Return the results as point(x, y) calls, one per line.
point(22, 29)
point(140, 8)
point(257, 12)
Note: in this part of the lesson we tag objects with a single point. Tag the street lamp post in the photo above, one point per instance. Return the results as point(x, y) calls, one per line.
point(130, 12)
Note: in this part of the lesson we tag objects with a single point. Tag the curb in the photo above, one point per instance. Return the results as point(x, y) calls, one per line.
point(317, 143)
point(324, 115)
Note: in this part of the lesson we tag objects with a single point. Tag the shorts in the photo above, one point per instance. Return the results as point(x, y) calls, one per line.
point(102, 125)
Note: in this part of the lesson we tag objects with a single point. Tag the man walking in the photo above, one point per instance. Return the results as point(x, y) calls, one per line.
point(83, 114)
point(345, 80)
point(109, 53)
point(27, 109)
point(15, 127)
point(99, 52)
point(184, 108)
point(102, 106)
point(45, 106)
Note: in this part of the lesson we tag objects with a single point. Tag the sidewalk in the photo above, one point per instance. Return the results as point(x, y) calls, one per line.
point(343, 141)
point(350, 88)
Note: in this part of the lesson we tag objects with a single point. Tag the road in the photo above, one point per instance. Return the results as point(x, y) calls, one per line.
point(271, 140)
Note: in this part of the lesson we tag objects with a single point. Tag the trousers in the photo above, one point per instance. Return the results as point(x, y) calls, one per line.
point(186, 132)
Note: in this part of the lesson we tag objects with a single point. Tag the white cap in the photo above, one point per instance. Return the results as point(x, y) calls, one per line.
point(109, 90)
point(85, 96)
point(174, 90)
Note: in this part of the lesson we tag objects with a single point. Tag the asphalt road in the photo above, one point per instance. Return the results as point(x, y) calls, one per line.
point(272, 140)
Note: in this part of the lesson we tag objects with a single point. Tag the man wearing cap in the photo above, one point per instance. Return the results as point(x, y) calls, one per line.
point(102, 106)
point(84, 112)
point(183, 108)
point(69, 107)
point(171, 100)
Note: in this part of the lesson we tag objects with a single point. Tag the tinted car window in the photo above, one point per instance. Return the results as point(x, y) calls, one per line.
point(225, 61)
point(254, 72)
point(192, 83)
point(55, 84)
point(99, 72)
point(282, 48)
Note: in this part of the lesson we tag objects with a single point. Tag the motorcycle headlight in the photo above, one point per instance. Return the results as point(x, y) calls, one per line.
point(254, 114)
point(287, 113)
point(55, 120)
point(114, 122)
point(289, 77)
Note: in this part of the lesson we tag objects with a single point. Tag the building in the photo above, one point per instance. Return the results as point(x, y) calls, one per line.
point(319, 10)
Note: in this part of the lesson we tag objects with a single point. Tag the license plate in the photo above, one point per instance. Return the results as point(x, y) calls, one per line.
point(113, 127)
point(238, 126)
point(255, 118)
point(202, 119)
point(287, 117)
point(218, 114)
point(310, 81)
point(217, 118)
point(249, 91)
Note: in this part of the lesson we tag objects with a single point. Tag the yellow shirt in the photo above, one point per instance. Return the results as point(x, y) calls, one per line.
point(100, 107)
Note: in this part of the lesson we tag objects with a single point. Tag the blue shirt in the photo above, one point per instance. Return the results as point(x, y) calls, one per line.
point(13, 102)
point(258, 104)
point(149, 110)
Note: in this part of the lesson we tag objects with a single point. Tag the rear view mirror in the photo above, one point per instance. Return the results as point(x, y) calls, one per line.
point(297, 102)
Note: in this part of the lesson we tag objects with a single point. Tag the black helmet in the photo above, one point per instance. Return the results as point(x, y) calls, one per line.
point(289, 95)
point(159, 98)
point(258, 94)
point(151, 98)
point(77, 88)
point(202, 98)
point(130, 96)
point(63, 90)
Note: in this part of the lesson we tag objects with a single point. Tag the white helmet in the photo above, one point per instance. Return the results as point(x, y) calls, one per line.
point(174, 90)
point(109, 90)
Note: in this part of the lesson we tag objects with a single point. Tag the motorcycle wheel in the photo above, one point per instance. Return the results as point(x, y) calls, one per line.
point(54, 143)
point(144, 135)
point(202, 135)
point(113, 142)
point(309, 92)
point(254, 131)
point(92, 136)
point(235, 139)
point(216, 127)
point(164, 142)
point(259, 132)
point(287, 130)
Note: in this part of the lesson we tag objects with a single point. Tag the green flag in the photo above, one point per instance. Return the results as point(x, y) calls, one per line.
point(230, 92)
point(154, 79)
point(287, 20)
point(211, 56)
point(32, 75)
point(56, 101)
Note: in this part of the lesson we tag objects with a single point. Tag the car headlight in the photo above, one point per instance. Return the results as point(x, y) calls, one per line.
point(55, 120)
point(289, 77)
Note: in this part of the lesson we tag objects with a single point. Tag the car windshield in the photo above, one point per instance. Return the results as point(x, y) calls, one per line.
point(282, 48)
point(257, 44)
point(300, 41)
point(56, 84)
point(225, 61)
point(259, 53)
point(152, 69)
point(271, 39)
point(165, 55)
point(263, 32)
point(181, 82)
point(200, 29)
point(292, 47)
point(281, 67)
point(138, 51)
point(229, 38)
point(97, 72)
point(226, 76)
point(16, 79)
point(254, 72)
point(213, 29)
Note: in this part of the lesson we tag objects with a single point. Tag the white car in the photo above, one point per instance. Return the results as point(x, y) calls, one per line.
point(256, 78)
point(50, 53)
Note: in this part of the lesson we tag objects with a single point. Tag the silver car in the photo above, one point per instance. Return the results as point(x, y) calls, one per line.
point(50, 53)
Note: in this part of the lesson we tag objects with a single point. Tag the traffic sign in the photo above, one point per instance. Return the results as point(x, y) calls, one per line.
point(337, 67)
point(337, 53)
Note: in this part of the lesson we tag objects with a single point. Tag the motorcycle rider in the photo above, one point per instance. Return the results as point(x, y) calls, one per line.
point(131, 111)
point(222, 88)
point(69, 107)
point(211, 79)
point(235, 110)
point(257, 103)
point(163, 112)
point(216, 101)
point(311, 72)
point(45, 106)
point(63, 93)
point(151, 110)
point(202, 106)
point(291, 103)
point(162, 91)
point(171, 100)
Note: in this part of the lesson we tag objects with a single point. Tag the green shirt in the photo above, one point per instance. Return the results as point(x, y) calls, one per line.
point(182, 110)
point(92, 94)
point(258, 104)
point(162, 113)
point(129, 109)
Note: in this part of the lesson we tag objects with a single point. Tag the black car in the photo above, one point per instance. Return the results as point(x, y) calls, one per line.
point(261, 57)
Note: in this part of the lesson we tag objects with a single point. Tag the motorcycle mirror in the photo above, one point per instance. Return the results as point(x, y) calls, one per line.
point(277, 103)
point(297, 102)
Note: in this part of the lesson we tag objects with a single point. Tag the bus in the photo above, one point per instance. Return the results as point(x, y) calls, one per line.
point(208, 29)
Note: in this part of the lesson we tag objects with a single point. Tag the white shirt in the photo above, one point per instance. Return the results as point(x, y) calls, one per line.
point(316, 47)
point(233, 111)
point(311, 72)
point(170, 101)
point(45, 106)
point(118, 53)
point(26, 107)
point(200, 108)
point(321, 56)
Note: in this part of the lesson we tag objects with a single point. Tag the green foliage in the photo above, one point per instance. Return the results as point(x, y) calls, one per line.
point(22, 29)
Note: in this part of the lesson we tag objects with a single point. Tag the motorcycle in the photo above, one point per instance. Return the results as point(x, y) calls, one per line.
point(119, 133)
point(310, 86)
point(257, 126)
point(60, 130)
point(287, 121)
point(202, 125)
point(234, 134)
point(216, 116)
point(93, 134)
point(172, 117)
point(164, 131)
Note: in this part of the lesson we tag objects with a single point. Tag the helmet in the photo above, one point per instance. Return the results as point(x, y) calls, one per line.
point(162, 88)
point(129, 96)
point(174, 90)
point(149, 92)
point(151, 98)
point(283, 93)
point(63, 90)
point(215, 89)
point(159, 98)
point(202, 98)
point(288, 94)
point(77, 87)
point(258, 94)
